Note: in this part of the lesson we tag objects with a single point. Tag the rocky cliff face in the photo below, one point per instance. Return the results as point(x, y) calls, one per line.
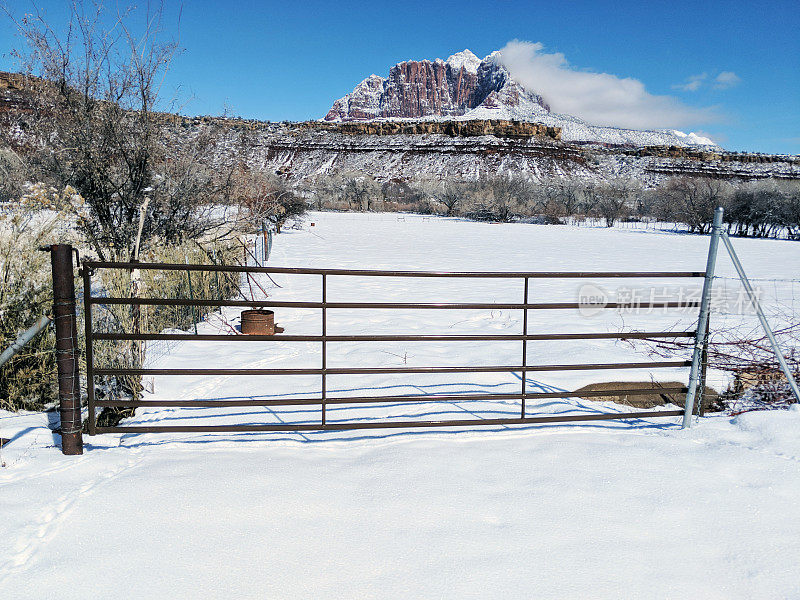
point(304, 151)
point(466, 128)
point(437, 88)
point(463, 87)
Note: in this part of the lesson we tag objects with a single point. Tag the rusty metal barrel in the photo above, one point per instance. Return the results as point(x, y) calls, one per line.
point(258, 322)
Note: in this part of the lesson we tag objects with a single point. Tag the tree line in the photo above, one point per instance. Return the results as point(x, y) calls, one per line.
point(763, 208)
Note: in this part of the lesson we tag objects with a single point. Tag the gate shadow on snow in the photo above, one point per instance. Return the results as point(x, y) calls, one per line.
point(570, 405)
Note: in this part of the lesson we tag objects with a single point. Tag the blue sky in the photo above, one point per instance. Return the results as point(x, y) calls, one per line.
point(291, 60)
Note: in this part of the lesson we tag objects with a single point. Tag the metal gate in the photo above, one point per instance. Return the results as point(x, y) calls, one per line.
point(324, 305)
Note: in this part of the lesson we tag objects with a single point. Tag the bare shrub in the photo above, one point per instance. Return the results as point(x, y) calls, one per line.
point(765, 209)
point(361, 192)
point(397, 193)
point(498, 198)
point(27, 380)
point(12, 178)
point(745, 354)
point(263, 199)
point(451, 194)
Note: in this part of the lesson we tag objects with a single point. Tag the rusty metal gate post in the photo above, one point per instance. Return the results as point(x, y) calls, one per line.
point(69, 389)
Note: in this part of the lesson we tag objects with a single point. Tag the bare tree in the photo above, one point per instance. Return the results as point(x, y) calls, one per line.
point(692, 200)
point(501, 197)
point(451, 196)
point(95, 87)
point(609, 201)
point(91, 129)
point(264, 198)
point(568, 195)
point(399, 194)
point(360, 192)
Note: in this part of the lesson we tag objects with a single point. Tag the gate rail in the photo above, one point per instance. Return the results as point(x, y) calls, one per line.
point(324, 305)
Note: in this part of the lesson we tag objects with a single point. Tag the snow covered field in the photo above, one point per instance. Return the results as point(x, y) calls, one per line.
point(636, 509)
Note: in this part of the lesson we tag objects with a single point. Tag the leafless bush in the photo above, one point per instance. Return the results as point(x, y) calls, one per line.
point(745, 354)
point(396, 193)
point(608, 201)
point(263, 199)
point(497, 198)
point(361, 192)
point(12, 178)
point(350, 191)
point(765, 209)
point(451, 196)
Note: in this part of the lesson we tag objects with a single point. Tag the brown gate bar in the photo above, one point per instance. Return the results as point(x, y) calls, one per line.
point(381, 399)
point(398, 370)
point(324, 305)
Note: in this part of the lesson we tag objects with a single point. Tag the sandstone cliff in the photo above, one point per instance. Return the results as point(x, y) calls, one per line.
point(427, 88)
point(464, 87)
point(475, 127)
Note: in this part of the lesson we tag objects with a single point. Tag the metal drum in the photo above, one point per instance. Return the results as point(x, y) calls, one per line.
point(258, 322)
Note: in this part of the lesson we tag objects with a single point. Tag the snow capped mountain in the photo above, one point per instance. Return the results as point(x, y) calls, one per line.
point(465, 59)
point(430, 89)
point(466, 87)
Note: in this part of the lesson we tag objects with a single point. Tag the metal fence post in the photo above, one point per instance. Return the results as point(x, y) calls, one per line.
point(86, 272)
point(524, 347)
point(324, 347)
point(701, 392)
point(69, 389)
point(701, 337)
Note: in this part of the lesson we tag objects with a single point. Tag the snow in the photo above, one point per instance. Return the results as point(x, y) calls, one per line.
point(637, 508)
point(574, 129)
point(694, 139)
point(304, 155)
point(465, 59)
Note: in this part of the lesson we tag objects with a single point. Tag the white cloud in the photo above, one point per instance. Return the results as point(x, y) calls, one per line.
point(725, 80)
point(692, 84)
point(598, 98)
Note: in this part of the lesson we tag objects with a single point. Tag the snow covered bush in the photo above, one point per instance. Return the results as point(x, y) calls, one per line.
point(762, 388)
point(742, 351)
